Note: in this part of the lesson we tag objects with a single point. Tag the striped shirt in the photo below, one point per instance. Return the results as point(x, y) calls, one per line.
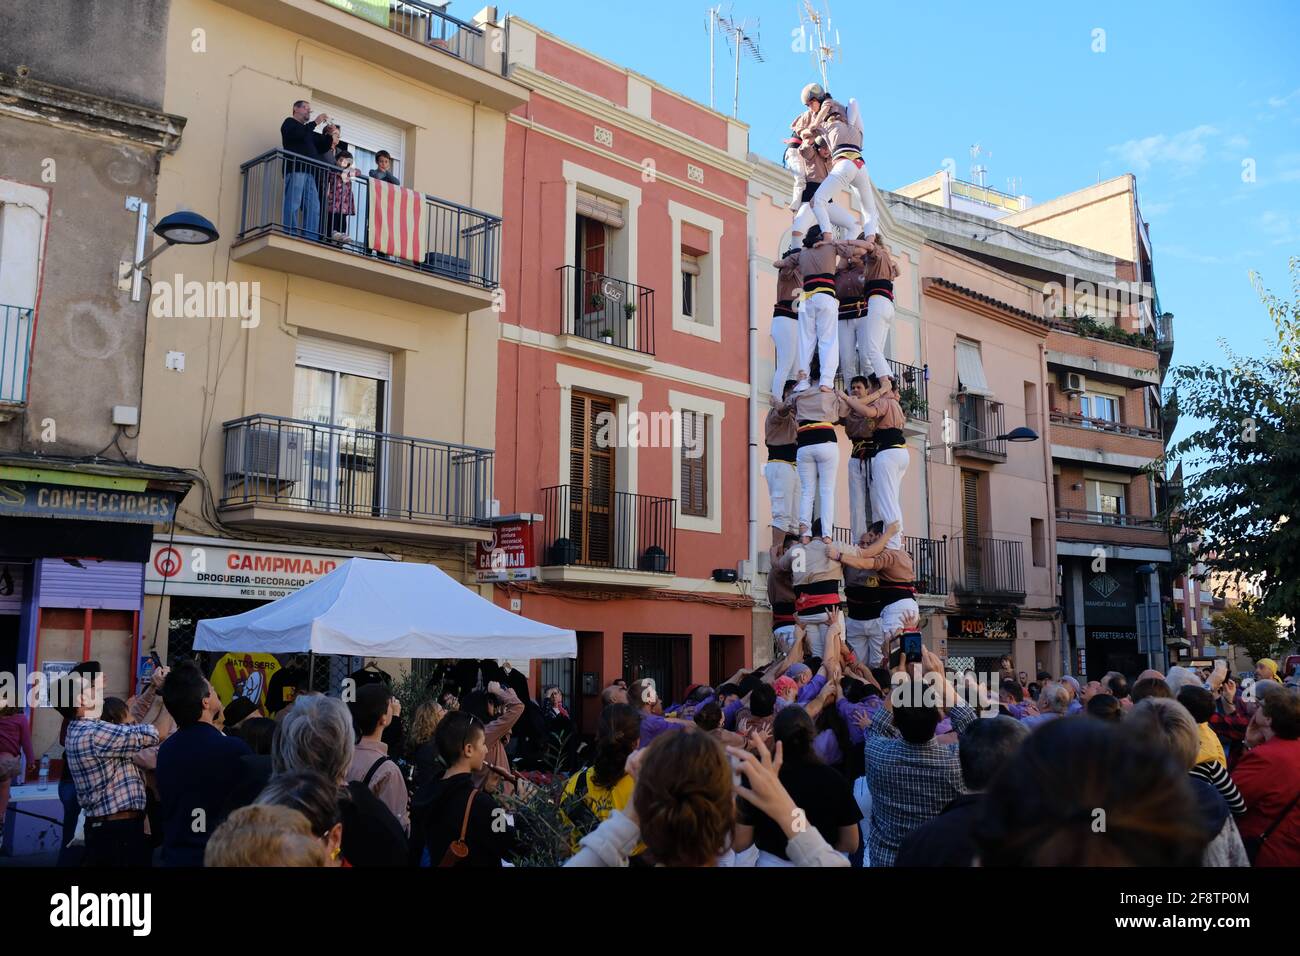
point(99, 755)
point(1216, 775)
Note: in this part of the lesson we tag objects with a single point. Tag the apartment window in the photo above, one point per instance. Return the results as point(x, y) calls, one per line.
point(690, 281)
point(697, 298)
point(343, 387)
point(697, 472)
point(24, 211)
point(1107, 500)
point(695, 464)
point(970, 369)
point(1100, 407)
point(592, 465)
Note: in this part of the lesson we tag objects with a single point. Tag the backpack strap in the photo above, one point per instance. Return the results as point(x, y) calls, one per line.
point(374, 768)
point(458, 849)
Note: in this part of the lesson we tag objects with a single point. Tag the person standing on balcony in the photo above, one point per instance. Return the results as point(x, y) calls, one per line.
point(808, 157)
point(889, 454)
point(383, 170)
point(781, 433)
point(298, 136)
point(879, 587)
point(339, 198)
point(848, 168)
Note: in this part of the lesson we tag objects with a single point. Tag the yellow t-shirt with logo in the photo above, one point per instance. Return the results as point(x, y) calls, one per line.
point(601, 801)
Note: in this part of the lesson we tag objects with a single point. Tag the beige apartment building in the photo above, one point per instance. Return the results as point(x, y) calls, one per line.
point(1109, 344)
point(326, 370)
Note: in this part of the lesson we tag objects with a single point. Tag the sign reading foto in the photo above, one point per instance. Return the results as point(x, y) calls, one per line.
point(981, 628)
point(511, 555)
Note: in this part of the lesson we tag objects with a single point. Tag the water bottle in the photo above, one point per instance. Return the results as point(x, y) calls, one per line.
point(43, 777)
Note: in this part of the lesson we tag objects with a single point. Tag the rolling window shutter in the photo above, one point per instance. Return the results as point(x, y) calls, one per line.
point(334, 356)
point(970, 509)
point(600, 209)
point(690, 264)
point(361, 129)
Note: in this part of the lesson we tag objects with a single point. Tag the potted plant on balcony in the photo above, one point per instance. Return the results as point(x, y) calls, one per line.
point(654, 559)
point(629, 310)
point(606, 336)
point(913, 405)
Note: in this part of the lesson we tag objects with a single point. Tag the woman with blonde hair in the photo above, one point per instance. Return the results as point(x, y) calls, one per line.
point(264, 835)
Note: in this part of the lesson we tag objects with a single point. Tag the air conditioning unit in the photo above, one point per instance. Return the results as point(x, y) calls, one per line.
point(272, 454)
point(1072, 383)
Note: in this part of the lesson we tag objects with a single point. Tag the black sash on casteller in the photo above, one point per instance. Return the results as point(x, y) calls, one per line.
point(816, 436)
point(867, 603)
point(888, 438)
point(883, 287)
point(852, 307)
point(783, 608)
point(785, 307)
point(788, 453)
point(829, 586)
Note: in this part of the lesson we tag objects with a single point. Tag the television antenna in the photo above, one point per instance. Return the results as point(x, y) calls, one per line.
point(713, 16)
point(825, 48)
point(978, 170)
point(745, 37)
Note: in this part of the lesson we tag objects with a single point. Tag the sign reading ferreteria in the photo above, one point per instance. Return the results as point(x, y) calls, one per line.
point(36, 499)
point(981, 628)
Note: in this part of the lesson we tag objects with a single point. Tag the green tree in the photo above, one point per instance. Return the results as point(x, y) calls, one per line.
point(1255, 634)
point(1241, 464)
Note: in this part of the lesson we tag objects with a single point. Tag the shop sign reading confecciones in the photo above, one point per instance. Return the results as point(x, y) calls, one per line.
point(35, 499)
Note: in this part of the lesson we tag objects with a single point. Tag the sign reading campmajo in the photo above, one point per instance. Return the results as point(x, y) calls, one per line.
point(35, 499)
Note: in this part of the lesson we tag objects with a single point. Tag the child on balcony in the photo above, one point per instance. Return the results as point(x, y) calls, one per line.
point(340, 204)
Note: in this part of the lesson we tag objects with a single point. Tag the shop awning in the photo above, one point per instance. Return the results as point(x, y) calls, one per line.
point(369, 608)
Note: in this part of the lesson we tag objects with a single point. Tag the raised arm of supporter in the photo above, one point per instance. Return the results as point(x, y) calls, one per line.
point(514, 709)
point(146, 759)
point(122, 740)
point(960, 713)
point(141, 703)
point(789, 262)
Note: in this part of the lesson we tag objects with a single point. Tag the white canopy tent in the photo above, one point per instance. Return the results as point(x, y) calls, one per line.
point(369, 608)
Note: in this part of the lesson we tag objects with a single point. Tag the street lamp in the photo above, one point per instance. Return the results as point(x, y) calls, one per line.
point(180, 228)
point(1019, 434)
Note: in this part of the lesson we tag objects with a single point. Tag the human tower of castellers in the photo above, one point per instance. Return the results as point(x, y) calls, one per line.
point(835, 304)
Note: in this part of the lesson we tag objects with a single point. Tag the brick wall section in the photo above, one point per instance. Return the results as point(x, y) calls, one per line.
point(1093, 533)
point(1111, 443)
point(1137, 502)
point(1104, 351)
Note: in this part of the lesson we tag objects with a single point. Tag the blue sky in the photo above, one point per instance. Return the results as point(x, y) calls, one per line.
point(1182, 95)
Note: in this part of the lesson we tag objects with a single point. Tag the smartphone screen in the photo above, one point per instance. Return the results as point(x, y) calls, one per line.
point(912, 647)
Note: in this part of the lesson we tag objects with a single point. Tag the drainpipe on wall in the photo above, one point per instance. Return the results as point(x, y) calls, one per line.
point(753, 421)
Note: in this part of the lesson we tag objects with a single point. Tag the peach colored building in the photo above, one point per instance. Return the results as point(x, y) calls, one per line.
point(623, 371)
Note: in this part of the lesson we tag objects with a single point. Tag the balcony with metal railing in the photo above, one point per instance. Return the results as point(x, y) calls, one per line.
point(409, 38)
point(16, 328)
point(913, 389)
point(601, 536)
point(1110, 528)
point(607, 316)
point(987, 570)
point(291, 472)
point(979, 421)
point(303, 216)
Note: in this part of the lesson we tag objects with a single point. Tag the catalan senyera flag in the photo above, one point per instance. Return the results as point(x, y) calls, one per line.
point(398, 224)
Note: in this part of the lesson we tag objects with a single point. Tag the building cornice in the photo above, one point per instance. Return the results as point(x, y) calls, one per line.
point(984, 305)
point(624, 161)
point(608, 111)
point(89, 113)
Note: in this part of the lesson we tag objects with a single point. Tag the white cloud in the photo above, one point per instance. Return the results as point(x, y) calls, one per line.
point(1278, 102)
point(1183, 150)
point(1281, 227)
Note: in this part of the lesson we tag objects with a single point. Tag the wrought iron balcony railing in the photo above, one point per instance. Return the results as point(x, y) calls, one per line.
point(427, 24)
point(1144, 522)
point(988, 567)
point(1105, 425)
point(16, 328)
point(913, 389)
point(282, 192)
point(979, 422)
point(603, 528)
point(605, 309)
point(313, 466)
